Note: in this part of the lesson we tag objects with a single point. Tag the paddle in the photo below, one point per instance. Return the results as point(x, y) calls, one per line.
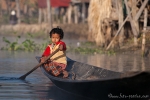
point(24, 76)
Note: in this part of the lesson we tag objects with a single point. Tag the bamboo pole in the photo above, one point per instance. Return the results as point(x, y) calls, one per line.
point(135, 8)
point(144, 28)
point(132, 24)
point(117, 33)
point(130, 18)
point(141, 10)
point(119, 30)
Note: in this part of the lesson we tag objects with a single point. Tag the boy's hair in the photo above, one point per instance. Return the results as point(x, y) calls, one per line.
point(57, 30)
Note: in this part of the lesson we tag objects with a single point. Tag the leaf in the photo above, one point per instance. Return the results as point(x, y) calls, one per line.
point(5, 40)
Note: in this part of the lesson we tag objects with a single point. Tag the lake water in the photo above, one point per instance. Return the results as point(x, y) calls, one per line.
point(37, 86)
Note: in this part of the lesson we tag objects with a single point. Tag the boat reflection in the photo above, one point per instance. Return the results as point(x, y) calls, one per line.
point(118, 62)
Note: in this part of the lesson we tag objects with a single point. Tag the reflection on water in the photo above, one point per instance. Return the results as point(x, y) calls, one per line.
point(120, 62)
point(39, 87)
point(23, 90)
point(36, 86)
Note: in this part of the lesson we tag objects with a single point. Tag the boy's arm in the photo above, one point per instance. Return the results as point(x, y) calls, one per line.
point(46, 52)
point(62, 46)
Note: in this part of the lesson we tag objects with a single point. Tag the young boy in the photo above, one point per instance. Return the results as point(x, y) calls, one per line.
point(58, 60)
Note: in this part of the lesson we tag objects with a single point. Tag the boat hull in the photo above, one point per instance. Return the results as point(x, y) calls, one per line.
point(126, 88)
point(104, 84)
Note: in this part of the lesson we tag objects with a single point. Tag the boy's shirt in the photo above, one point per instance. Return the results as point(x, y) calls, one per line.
point(48, 51)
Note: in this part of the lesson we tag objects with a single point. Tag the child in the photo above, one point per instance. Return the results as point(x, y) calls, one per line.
point(58, 60)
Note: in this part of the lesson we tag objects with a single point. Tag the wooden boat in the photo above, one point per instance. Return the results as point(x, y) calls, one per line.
point(99, 83)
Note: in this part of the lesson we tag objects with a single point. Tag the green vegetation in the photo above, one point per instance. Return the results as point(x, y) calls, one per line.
point(26, 45)
point(29, 45)
point(90, 48)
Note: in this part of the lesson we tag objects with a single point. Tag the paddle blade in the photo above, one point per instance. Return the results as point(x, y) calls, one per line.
point(22, 77)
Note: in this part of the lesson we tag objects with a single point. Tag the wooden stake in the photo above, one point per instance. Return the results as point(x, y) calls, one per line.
point(131, 19)
point(119, 30)
point(141, 10)
point(144, 28)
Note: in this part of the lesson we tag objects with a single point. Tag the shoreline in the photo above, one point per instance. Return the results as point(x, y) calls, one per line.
point(72, 31)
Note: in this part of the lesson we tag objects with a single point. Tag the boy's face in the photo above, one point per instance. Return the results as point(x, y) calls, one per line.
point(55, 38)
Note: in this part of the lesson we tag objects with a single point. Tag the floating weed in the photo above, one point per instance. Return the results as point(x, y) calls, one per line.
point(90, 48)
point(43, 45)
point(111, 52)
point(6, 41)
point(87, 44)
point(11, 45)
point(30, 45)
point(26, 45)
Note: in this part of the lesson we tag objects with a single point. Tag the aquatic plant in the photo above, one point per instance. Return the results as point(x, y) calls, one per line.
point(11, 45)
point(90, 48)
point(27, 45)
point(30, 45)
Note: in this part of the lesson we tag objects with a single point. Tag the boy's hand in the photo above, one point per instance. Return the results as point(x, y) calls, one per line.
point(43, 59)
point(60, 47)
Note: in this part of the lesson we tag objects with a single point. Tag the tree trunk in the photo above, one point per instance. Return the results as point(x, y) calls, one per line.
point(76, 14)
point(69, 13)
point(1, 11)
point(25, 9)
point(18, 11)
point(121, 17)
point(49, 14)
point(8, 6)
point(44, 11)
point(83, 12)
point(40, 16)
point(64, 15)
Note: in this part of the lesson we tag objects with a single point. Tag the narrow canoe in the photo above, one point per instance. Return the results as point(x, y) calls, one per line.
point(99, 83)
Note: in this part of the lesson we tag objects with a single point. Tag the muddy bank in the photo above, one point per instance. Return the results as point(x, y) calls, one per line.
point(75, 31)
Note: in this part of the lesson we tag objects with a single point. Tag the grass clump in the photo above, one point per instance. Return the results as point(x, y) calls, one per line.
point(27, 45)
point(90, 48)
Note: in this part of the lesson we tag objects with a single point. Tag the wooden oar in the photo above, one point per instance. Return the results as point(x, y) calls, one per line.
point(24, 76)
